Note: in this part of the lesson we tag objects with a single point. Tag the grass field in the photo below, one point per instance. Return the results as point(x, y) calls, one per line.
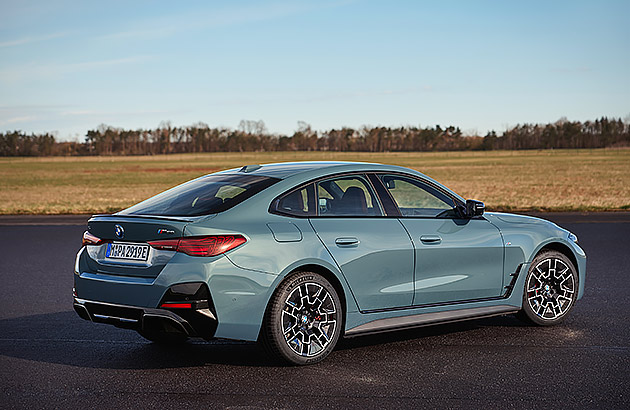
point(555, 180)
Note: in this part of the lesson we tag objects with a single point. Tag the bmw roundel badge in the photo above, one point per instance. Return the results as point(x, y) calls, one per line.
point(119, 231)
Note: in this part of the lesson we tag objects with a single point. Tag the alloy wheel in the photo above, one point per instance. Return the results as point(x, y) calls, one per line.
point(309, 318)
point(551, 289)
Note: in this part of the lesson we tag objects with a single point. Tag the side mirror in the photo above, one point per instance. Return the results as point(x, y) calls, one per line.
point(474, 208)
point(390, 183)
point(324, 205)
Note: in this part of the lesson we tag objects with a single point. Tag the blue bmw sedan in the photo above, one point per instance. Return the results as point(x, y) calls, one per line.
point(297, 255)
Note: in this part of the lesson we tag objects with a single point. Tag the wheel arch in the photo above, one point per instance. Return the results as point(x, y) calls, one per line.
point(563, 249)
point(344, 293)
point(527, 313)
point(333, 279)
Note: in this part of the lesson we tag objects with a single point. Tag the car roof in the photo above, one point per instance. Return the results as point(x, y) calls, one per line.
point(284, 170)
point(294, 173)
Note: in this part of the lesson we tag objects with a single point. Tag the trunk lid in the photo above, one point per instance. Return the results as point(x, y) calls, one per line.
point(134, 233)
point(138, 228)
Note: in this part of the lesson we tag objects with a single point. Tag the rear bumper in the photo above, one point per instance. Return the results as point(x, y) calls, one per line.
point(190, 322)
point(237, 297)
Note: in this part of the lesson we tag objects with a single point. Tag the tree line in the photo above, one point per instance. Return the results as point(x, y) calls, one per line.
point(253, 136)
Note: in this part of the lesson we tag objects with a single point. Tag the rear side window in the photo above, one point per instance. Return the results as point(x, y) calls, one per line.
point(210, 194)
point(300, 202)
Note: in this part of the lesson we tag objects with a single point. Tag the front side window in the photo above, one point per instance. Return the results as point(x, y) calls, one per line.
point(415, 198)
point(210, 194)
point(346, 196)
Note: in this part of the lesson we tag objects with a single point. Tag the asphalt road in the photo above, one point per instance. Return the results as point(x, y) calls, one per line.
point(50, 358)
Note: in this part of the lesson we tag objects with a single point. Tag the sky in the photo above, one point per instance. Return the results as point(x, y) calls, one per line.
point(69, 66)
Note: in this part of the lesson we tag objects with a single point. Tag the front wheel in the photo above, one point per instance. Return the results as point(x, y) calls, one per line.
point(303, 321)
point(550, 289)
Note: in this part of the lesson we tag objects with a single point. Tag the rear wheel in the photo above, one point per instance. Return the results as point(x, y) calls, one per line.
point(303, 321)
point(550, 289)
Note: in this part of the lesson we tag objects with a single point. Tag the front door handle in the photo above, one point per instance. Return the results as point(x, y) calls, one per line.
point(347, 242)
point(432, 239)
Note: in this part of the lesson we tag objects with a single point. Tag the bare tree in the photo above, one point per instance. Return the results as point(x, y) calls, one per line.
point(253, 127)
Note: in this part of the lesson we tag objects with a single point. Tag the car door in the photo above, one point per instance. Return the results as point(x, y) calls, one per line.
point(457, 259)
point(373, 252)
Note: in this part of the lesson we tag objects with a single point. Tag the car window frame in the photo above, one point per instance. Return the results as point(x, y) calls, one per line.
point(387, 203)
point(458, 205)
point(361, 176)
point(312, 201)
point(273, 207)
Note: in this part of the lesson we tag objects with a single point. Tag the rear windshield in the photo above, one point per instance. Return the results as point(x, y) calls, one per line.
point(210, 194)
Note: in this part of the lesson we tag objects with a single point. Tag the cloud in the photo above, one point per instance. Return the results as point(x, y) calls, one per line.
point(17, 120)
point(144, 34)
point(27, 40)
point(69, 120)
point(75, 113)
point(88, 65)
point(120, 114)
point(9, 108)
point(200, 20)
point(35, 72)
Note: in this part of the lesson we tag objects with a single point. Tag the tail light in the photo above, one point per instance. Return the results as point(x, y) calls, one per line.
point(89, 239)
point(201, 245)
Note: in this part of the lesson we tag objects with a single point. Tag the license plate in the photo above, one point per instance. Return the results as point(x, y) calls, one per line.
point(127, 251)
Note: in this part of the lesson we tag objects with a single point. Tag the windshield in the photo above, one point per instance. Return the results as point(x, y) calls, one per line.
point(210, 194)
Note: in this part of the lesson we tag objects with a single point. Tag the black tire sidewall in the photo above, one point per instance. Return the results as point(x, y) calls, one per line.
point(273, 335)
point(527, 312)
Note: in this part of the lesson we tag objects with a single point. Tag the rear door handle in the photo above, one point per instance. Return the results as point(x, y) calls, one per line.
point(431, 239)
point(347, 242)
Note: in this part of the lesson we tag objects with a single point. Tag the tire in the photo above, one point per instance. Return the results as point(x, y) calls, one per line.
point(303, 321)
point(164, 338)
point(550, 290)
